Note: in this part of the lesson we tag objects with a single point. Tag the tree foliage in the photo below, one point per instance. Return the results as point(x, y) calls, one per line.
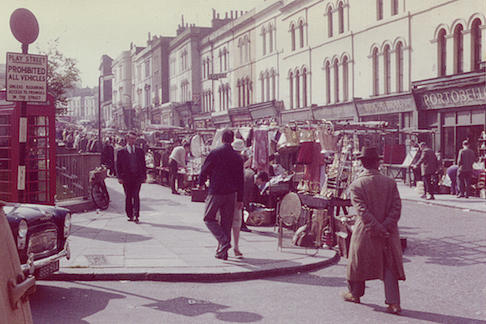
point(62, 75)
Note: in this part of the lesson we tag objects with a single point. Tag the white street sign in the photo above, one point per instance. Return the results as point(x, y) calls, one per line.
point(26, 77)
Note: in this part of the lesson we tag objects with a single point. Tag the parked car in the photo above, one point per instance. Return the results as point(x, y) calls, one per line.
point(14, 286)
point(41, 235)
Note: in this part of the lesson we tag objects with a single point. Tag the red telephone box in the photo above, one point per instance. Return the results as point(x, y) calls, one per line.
point(40, 159)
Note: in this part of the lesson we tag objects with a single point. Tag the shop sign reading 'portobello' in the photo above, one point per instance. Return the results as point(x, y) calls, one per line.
point(471, 95)
point(386, 105)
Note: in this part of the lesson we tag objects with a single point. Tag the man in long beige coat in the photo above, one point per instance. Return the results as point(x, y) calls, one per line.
point(375, 250)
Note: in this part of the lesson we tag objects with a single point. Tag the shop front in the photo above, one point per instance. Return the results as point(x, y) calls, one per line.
point(266, 112)
point(202, 121)
point(184, 114)
point(340, 112)
point(295, 115)
point(454, 106)
point(240, 116)
point(221, 119)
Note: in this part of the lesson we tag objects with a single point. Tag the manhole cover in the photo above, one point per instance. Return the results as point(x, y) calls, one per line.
point(96, 259)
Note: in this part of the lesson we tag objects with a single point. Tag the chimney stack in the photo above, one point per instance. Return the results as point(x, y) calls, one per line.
point(231, 14)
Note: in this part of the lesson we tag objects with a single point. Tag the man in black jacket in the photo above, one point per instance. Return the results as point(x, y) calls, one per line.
point(131, 172)
point(224, 168)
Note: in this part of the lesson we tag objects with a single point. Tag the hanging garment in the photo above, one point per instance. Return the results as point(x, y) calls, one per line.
point(217, 139)
point(328, 141)
point(305, 153)
point(260, 160)
point(312, 171)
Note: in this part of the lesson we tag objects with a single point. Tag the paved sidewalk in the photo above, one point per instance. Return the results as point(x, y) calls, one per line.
point(172, 243)
point(471, 204)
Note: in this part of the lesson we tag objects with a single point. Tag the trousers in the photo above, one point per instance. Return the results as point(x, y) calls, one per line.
point(464, 178)
point(225, 204)
point(132, 197)
point(392, 291)
point(173, 175)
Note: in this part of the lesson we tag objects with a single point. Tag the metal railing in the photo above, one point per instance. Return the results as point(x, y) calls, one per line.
point(72, 174)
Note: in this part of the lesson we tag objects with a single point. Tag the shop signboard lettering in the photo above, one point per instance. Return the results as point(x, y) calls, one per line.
point(385, 106)
point(335, 112)
point(466, 96)
point(26, 77)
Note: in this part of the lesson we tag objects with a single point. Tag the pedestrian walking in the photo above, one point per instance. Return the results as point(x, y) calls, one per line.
point(177, 159)
point(375, 249)
point(465, 161)
point(429, 165)
point(131, 172)
point(224, 168)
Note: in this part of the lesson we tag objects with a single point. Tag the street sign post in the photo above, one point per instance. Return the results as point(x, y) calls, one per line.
point(26, 77)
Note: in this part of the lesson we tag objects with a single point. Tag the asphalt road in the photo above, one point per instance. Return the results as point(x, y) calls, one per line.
point(445, 264)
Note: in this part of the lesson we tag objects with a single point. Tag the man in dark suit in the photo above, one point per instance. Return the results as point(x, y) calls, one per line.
point(429, 165)
point(465, 161)
point(131, 172)
point(224, 168)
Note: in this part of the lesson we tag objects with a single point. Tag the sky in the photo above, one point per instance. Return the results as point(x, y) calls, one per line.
point(87, 29)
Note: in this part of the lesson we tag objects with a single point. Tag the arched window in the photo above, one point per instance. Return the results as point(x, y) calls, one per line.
point(238, 85)
point(458, 49)
point(264, 40)
point(270, 38)
point(248, 92)
point(399, 66)
point(336, 80)
point(341, 17)
point(379, 9)
point(273, 85)
point(225, 54)
point(345, 79)
point(220, 61)
point(329, 22)
point(441, 53)
point(240, 46)
point(301, 33)
point(327, 69)
point(297, 89)
point(247, 49)
point(291, 90)
point(376, 78)
point(476, 44)
point(304, 87)
point(394, 7)
point(386, 68)
point(292, 36)
point(267, 79)
point(262, 86)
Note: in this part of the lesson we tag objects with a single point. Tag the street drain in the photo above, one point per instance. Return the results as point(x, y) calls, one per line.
point(96, 260)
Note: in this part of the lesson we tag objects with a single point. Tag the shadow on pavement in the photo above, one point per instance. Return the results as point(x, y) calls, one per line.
point(427, 316)
point(80, 302)
point(312, 280)
point(450, 250)
point(175, 227)
point(106, 235)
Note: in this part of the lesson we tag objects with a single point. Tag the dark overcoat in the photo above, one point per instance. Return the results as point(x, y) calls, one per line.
point(377, 202)
point(428, 161)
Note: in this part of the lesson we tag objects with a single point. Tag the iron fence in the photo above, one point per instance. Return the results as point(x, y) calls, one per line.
point(72, 174)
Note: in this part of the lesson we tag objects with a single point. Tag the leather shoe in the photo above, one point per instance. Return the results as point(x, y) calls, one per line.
point(394, 309)
point(222, 256)
point(347, 296)
point(245, 229)
point(136, 220)
point(423, 196)
point(224, 248)
point(430, 198)
point(130, 219)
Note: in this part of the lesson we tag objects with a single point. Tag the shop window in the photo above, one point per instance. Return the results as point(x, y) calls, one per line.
point(291, 90)
point(329, 22)
point(379, 9)
point(301, 33)
point(448, 143)
point(476, 44)
point(327, 69)
point(399, 66)
point(394, 7)
point(345, 79)
point(386, 69)
point(458, 49)
point(336, 80)
point(292, 36)
point(407, 120)
point(441, 52)
point(297, 89)
point(375, 66)
point(341, 17)
point(304, 87)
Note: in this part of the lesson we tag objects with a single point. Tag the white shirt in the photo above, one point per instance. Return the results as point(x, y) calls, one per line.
point(179, 155)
